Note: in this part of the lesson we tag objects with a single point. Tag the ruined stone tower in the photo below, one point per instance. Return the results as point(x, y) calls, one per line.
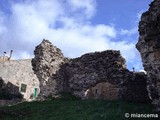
point(149, 48)
point(46, 64)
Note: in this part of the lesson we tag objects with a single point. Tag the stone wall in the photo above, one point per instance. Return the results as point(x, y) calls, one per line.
point(98, 75)
point(9, 91)
point(93, 68)
point(136, 88)
point(46, 64)
point(149, 48)
point(20, 74)
point(104, 90)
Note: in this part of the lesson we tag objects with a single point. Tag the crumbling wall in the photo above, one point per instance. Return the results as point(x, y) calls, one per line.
point(136, 88)
point(104, 90)
point(46, 63)
point(149, 48)
point(20, 73)
point(98, 75)
point(93, 68)
point(58, 74)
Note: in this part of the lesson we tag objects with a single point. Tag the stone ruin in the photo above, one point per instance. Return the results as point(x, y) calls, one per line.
point(85, 72)
point(99, 75)
point(47, 62)
point(136, 88)
point(149, 48)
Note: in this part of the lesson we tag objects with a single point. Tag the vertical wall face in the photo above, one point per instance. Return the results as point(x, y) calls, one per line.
point(149, 48)
point(57, 74)
point(91, 69)
point(103, 90)
point(136, 88)
point(9, 91)
point(98, 75)
point(46, 64)
point(20, 73)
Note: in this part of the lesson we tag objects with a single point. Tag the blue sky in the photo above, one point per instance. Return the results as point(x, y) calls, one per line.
point(75, 26)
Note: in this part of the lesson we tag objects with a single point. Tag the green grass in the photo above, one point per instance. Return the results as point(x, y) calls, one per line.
point(72, 110)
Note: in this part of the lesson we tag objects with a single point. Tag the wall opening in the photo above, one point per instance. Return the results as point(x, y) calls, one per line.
point(23, 88)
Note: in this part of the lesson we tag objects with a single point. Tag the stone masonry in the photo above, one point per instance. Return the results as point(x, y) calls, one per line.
point(93, 68)
point(46, 64)
point(9, 91)
point(149, 48)
point(99, 75)
point(20, 74)
point(135, 89)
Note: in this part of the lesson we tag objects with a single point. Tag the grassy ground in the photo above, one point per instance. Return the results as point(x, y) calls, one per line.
point(72, 110)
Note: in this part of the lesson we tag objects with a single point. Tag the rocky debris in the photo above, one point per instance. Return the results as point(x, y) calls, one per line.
point(9, 91)
point(135, 88)
point(47, 61)
point(149, 48)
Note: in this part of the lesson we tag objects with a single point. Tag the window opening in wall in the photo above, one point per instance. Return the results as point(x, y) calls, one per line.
point(23, 88)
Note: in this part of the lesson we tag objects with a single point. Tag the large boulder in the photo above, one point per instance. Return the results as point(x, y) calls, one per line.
point(149, 48)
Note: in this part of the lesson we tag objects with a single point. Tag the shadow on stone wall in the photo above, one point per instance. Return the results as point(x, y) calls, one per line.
point(9, 91)
point(136, 88)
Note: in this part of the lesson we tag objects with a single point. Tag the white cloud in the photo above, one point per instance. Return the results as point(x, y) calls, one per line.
point(66, 25)
point(22, 55)
point(129, 32)
point(88, 6)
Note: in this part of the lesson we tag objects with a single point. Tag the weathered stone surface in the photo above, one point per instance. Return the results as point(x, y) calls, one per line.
point(46, 64)
point(104, 90)
point(19, 73)
point(136, 88)
point(90, 69)
point(149, 48)
point(98, 75)
point(8, 91)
